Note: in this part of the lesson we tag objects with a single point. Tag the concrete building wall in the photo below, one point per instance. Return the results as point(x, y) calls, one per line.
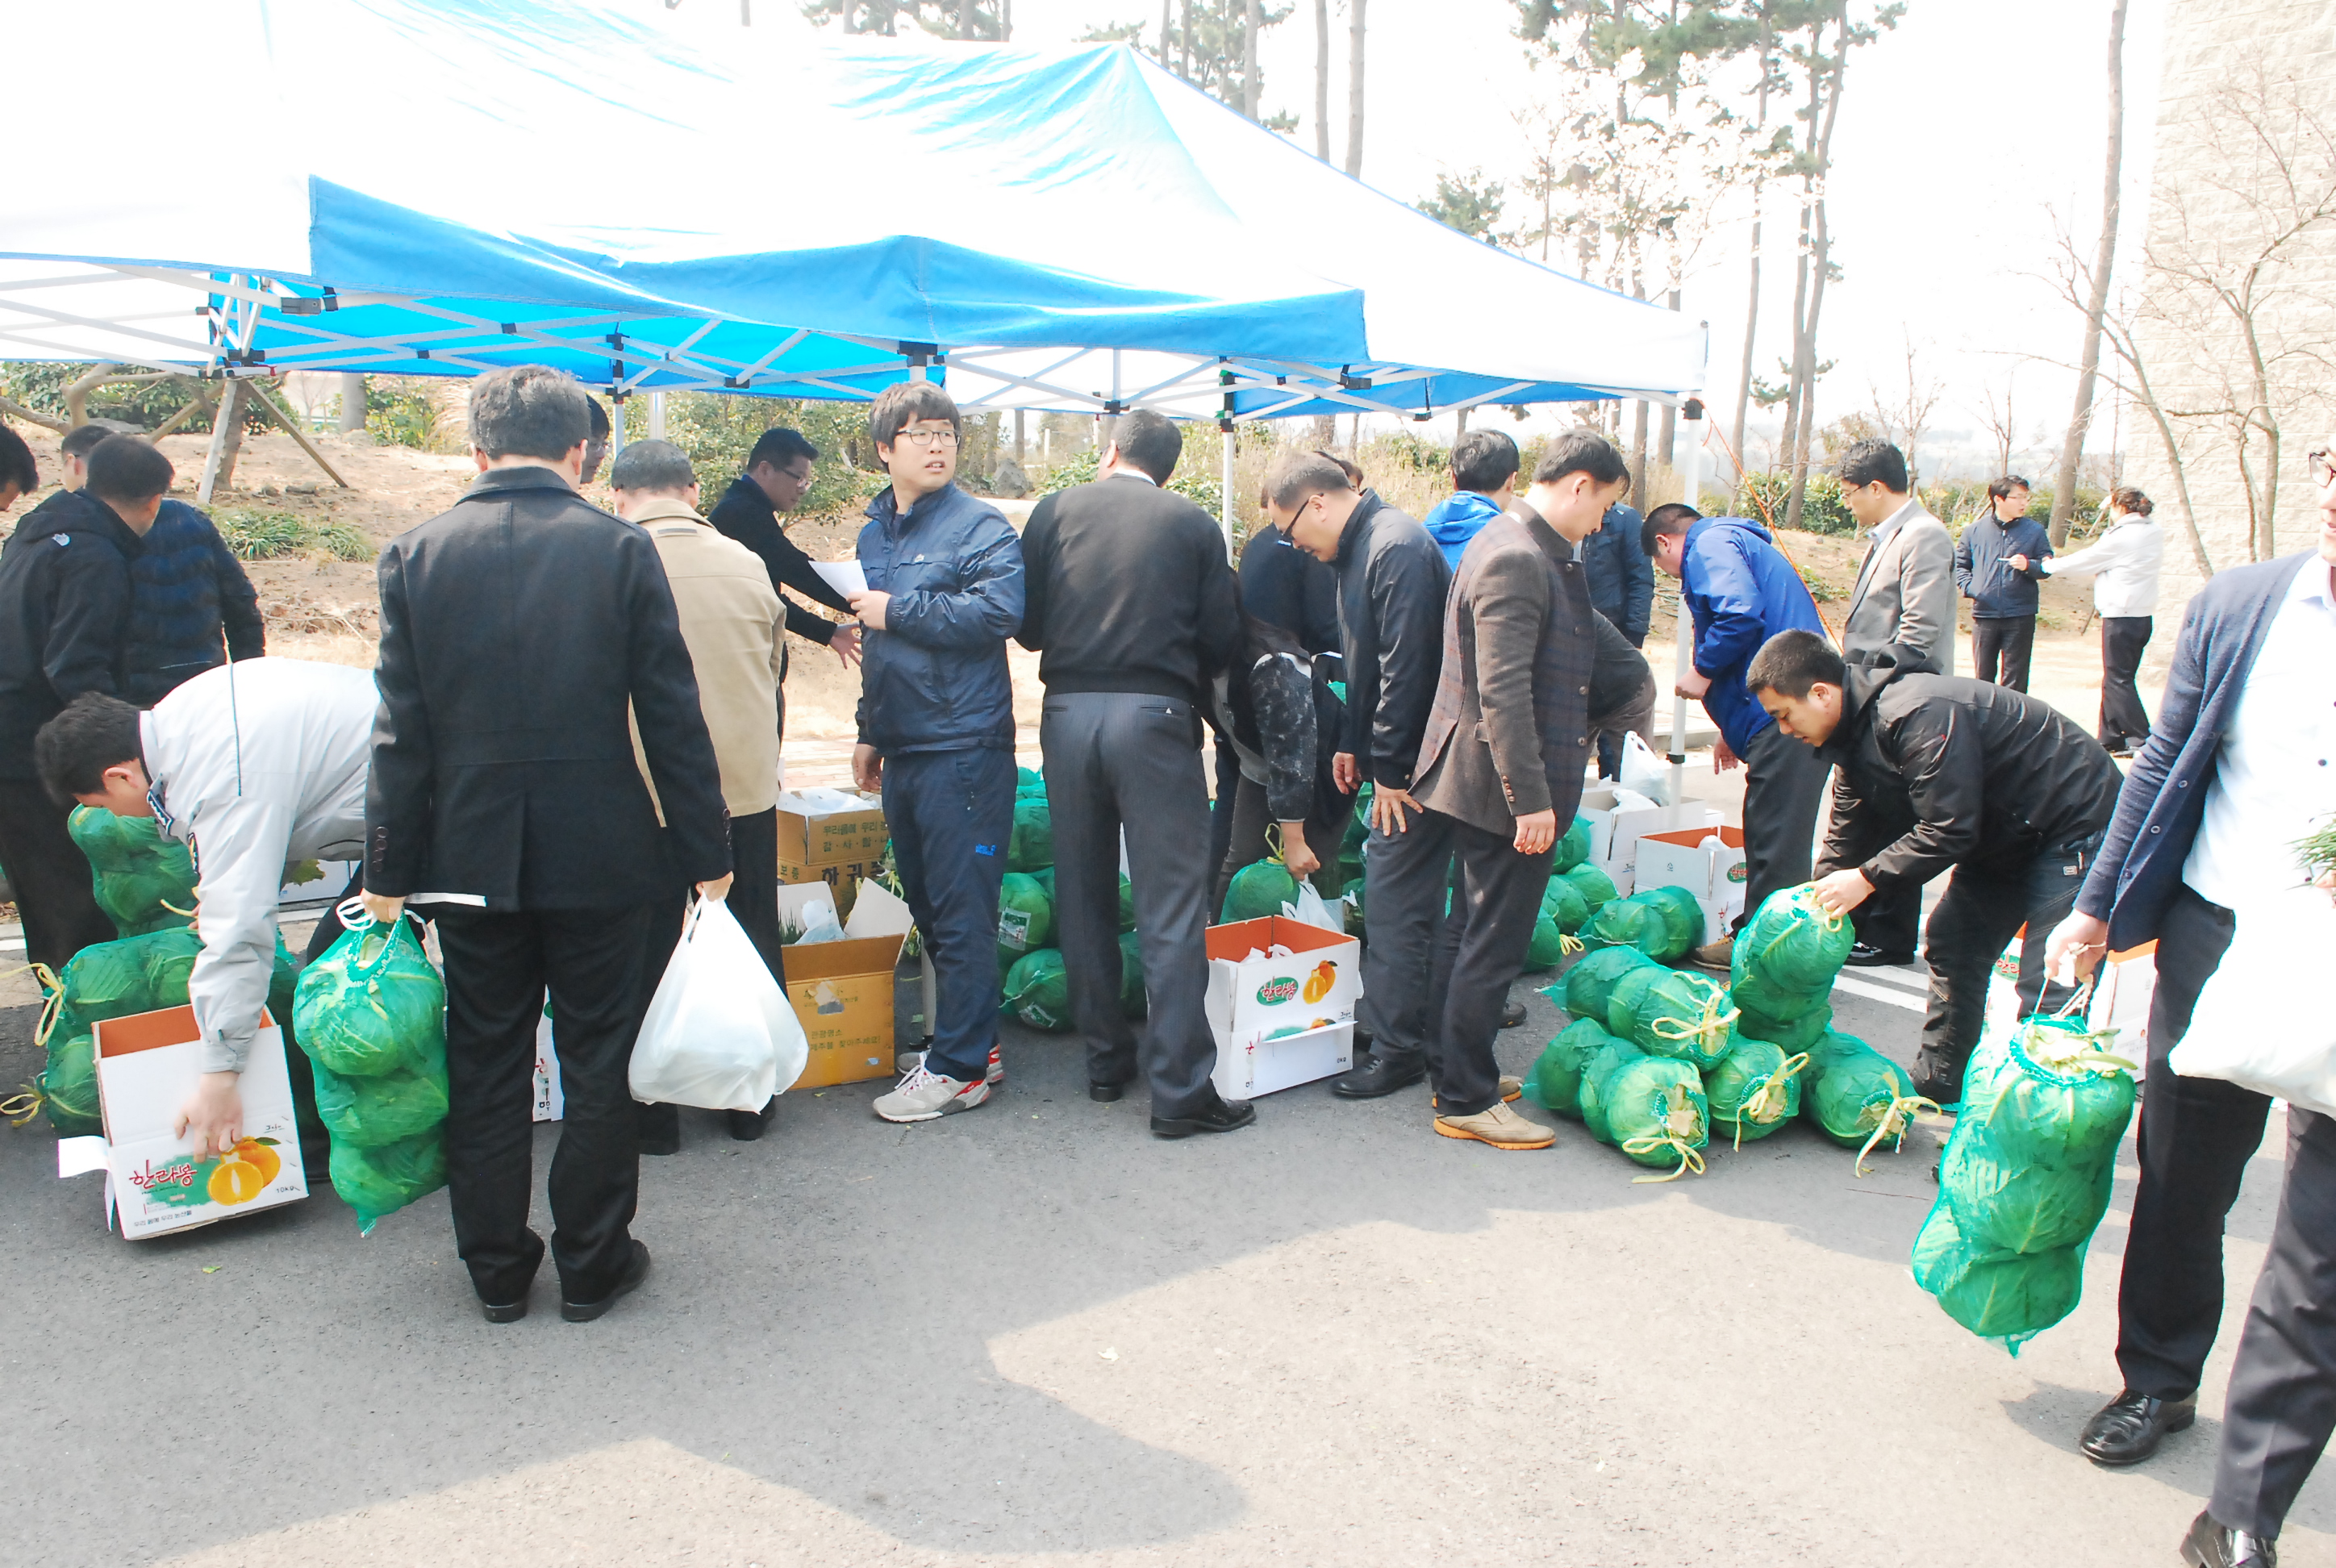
point(2248, 84)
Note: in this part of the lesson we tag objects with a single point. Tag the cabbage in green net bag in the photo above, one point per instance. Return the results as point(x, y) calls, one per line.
point(137, 873)
point(1685, 915)
point(1755, 1090)
point(1025, 917)
point(1032, 845)
point(67, 1083)
point(1792, 944)
point(1632, 922)
point(1038, 991)
point(1574, 847)
point(2008, 1297)
point(1591, 1097)
point(371, 1112)
point(1799, 1034)
point(1563, 903)
point(1029, 780)
point(1756, 996)
point(104, 980)
point(1258, 890)
point(1132, 1000)
point(1859, 1097)
point(1555, 1081)
point(1547, 950)
point(1590, 983)
point(1595, 886)
point(1126, 905)
point(381, 1181)
point(1673, 1013)
point(372, 1005)
point(1653, 1110)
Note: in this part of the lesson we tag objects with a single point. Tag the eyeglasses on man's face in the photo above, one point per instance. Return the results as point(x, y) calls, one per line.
point(2324, 466)
point(930, 435)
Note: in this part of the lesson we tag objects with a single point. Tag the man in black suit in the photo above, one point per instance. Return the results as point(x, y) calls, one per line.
point(777, 477)
point(519, 632)
point(1131, 600)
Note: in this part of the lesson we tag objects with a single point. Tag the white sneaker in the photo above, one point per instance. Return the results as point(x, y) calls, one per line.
point(909, 1061)
point(924, 1097)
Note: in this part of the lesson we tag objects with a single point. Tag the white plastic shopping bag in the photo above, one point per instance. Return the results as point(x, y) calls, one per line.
point(2257, 1023)
point(719, 1033)
point(1644, 773)
point(1310, 909)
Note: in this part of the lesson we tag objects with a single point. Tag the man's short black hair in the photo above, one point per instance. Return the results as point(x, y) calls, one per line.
point(652, 467)
point(127, 468)
point(597, 415)
point(1150, 440)
point(1671, 517)
point(1581, 451)
point(779, 447)
point(82, 439)
point(528, 411)
point(1997, 489)
point(902, 404)
point(73, 751)
point(18, 468)
point(1484, 461)
point(1867, 461)
point(1791, 662)
point(1298, 472)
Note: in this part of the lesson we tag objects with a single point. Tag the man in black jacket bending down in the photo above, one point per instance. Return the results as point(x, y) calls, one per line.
point(778, 474)
point(1133, 604)
point(1938, 771)
point(519, 630)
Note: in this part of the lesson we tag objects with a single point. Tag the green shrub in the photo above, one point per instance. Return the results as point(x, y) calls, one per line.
point(1203, 489)
point(256, 535)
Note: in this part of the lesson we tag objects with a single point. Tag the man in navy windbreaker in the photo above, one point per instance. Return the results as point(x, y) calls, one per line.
point(1740, 591)
point(945, 590)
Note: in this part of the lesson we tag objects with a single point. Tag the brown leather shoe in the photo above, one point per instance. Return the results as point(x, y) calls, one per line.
point(1499, 1126)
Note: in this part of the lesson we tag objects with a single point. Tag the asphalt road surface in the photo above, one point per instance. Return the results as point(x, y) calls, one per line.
point(1034, 1330)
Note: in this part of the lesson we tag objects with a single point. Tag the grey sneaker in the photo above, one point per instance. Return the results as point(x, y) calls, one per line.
point(924, 1096)
point(909, 1061)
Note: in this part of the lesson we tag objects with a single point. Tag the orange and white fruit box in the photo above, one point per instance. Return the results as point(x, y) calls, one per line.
point(147, 1066)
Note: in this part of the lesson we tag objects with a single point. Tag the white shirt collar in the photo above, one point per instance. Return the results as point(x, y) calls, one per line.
point(1135, 473)
point(2312, 583)
point(1896, 520)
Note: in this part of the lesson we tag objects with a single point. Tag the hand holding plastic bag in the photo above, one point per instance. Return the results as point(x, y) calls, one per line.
point(719, 1034)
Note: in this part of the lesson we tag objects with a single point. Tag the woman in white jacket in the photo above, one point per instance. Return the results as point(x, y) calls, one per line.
point(2124, 563)
point(256, 764)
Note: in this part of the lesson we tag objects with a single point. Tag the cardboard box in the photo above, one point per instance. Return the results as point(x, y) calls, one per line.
point(147, 1064)
point(1716, 877)
point(842, 881)
point(813, 843)
point(1281, 1022)
point(1625, 828)
point(842, 992)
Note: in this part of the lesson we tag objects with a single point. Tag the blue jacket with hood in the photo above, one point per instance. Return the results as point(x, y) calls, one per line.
point(1457, 519)
point(935, 677)
point(1740, 591)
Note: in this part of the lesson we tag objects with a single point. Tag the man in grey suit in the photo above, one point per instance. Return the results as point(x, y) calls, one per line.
point(1905, 594)
point(1500, 766)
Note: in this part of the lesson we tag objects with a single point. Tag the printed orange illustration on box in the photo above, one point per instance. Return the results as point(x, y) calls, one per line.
point(1260, 1046)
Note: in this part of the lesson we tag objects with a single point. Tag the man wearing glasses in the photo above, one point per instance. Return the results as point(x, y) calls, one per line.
point(2241, 765)
point(1392, 580)
point(944, 587)
point(777, 476)
point(1905, 594)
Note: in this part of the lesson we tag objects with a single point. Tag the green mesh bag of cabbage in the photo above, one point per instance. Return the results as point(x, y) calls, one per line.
point(1595, 886)
point(1755, 1090)
point(1564, 907)
point(1031, 846)
point(1258, 890)
point(1025, 917)
point(1800, 1034)
point(1858, 1097)
point(1573, 848)
point(1132, 1000)
point(1673, 1013)
point(372, 1005)
point(1038, 991)
point(1637, 921)
point(1650, 1107)
point(104, 980)
point(2026, 1178)
point(384, 1178)
point(1793, 945)
point(1555, 1081)
point(1549, 946)
point(137, 874)
point(1590, 983)
point(1684, 914)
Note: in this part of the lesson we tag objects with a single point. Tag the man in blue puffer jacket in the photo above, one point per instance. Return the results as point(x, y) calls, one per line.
point(1740, 591)
point(187, 590)
point(1484, 482)
point(945, 590)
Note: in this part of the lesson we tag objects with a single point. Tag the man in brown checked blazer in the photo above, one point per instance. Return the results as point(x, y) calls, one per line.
point(1500, 766)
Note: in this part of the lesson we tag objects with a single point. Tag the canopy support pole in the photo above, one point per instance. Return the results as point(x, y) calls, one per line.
point(1226, 495)
point(1683, 626)
point(656, 416)
point(226, 440)
point(291, 427)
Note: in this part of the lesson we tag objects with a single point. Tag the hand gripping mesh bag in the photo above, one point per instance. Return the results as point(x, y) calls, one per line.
point(1793, 945)
point(1025, 917)
point(372, 1005)
point(1673, 1013)
point(1595, 886)
point(1555, 1081)
point(1038, 991)
point(1258, 890)
point(1590, 983)
point(2026, 1178)
point(138, 875)
point(1755, 1090)
point(1650, 1107)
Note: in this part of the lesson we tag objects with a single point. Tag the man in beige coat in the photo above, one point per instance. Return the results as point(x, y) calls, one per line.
point(1905, 595)
point(732, 619)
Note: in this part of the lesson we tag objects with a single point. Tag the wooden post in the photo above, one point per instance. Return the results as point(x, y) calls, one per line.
point(227, 441)
point(291, 427)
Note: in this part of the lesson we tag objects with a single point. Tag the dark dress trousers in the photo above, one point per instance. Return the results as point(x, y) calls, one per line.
point(1508, 736)
point(519, 629)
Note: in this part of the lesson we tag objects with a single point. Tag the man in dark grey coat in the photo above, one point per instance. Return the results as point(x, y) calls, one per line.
point(1391, 585)
point(521, 631)
point(2240, 765)
point(1501, 766)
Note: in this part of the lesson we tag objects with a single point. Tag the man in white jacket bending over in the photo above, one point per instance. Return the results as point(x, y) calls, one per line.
point(255, 765)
